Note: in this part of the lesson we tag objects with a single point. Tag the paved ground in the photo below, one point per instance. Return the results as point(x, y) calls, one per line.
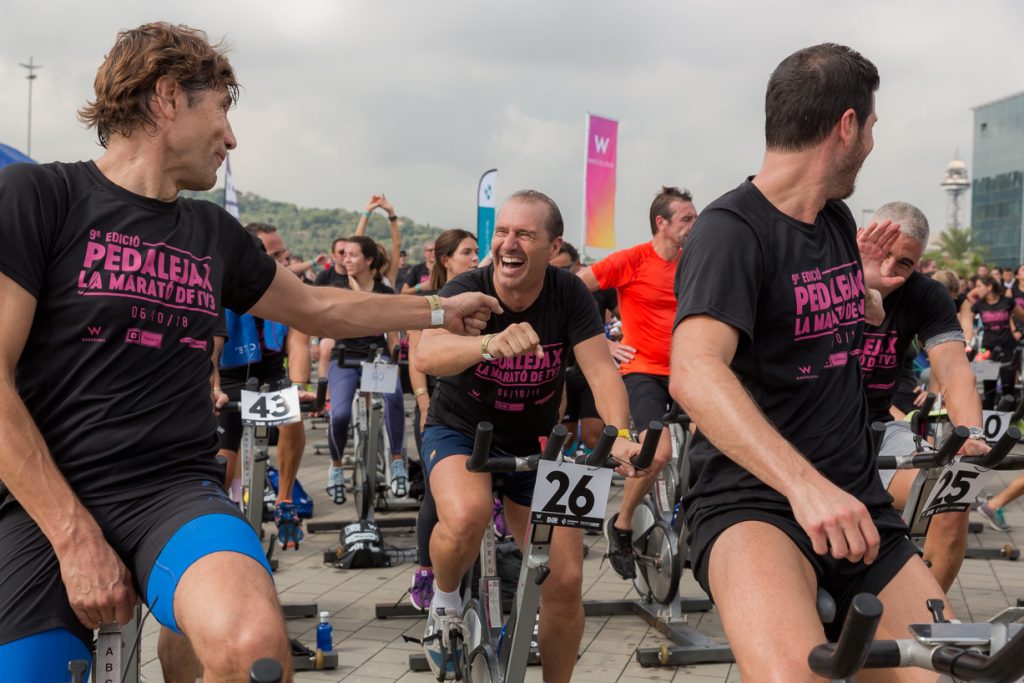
point(372, 650)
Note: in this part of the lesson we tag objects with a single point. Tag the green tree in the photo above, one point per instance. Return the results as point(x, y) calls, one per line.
point(955, 250)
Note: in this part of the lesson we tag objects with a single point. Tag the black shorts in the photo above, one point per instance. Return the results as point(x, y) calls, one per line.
point(579, 399)
point(32, 594)
point(229, 424)
point(649, 399)
point(841, 578)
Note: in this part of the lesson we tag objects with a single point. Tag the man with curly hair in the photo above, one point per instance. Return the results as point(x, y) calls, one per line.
point(110, 285)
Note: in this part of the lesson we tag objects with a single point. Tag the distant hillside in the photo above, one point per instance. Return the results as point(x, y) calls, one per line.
point(307, 232)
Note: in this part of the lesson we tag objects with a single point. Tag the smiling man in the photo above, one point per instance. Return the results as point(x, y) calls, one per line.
point(919, 308)
point(513, 378)
point(110, 286)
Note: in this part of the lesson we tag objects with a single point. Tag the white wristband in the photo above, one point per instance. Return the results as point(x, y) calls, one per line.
point(436, 311)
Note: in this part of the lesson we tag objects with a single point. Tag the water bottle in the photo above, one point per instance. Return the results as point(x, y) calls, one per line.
point(324, 634)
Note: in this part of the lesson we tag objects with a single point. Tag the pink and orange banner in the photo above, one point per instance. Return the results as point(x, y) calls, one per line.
point(599, 182)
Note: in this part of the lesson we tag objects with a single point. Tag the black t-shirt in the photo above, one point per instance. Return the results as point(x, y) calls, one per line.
point(330, 277)
point(607, 300)
point(920, 308)
point(520, 396)
point(1017, 294)
point(116, 367)
point(357, 348)
point(995, 319)
point(418, 275)
point(795, 292)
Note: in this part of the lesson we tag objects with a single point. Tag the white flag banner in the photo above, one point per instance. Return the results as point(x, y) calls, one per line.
point(230, 198)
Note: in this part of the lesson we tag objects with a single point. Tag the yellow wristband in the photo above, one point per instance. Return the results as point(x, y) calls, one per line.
point(627, 435)
point(436, 311)
point(483, 347)
point(419, 392)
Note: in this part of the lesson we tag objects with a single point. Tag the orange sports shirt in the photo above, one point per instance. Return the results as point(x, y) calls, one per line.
point(647, 304)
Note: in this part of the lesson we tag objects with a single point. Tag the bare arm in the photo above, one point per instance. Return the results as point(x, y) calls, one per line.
point(219, 397)
point(341, 313)
point(417, 379)
point(297, 345)
point(612, 402)
point(956, 382)
point(98, 584)
point(966, 316)
point(589, 279)
point(704, 384)
point(396, 239)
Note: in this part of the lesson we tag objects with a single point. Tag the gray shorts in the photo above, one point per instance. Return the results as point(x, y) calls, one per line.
point(899, 439)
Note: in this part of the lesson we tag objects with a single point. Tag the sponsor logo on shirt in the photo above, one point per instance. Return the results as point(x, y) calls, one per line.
point(194, 343)
point(143, 338)
point(94, 334)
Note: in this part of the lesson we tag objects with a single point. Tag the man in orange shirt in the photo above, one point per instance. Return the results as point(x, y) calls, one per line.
point(643, 276)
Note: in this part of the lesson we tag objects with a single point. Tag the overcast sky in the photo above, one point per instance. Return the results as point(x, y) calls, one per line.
point(416, 99)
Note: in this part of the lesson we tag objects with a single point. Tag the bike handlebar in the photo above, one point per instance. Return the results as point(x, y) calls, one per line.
point(314, 406)
point(1004, 666)
point(642, 460)
point(480, 460)
point(939, 458)
point(857, 650)
point(848, 656)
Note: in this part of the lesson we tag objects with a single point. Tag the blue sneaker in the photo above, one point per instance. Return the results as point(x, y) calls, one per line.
point(336, 484)
point(289, 526)
point(442, 643)
point(399, 478)
point(995, 516)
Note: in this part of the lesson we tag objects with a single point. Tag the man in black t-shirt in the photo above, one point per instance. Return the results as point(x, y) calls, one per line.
point(772, 294)
point(110, 285)
point(514, 379)
point(919, 308)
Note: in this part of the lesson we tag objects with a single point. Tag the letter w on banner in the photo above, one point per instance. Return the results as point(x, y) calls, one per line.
point(599, 182)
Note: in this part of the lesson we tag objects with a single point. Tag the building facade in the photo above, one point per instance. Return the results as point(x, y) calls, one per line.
point(997, 192)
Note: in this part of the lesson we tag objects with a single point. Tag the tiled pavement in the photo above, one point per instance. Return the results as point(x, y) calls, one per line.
point(372, 650)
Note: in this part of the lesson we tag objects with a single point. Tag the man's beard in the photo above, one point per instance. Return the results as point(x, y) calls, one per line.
point(844, 180)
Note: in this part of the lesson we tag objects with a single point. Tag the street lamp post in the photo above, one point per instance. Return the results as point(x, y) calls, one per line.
point(31, 77)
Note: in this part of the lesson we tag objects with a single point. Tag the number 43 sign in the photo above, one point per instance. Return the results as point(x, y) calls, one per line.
point(570, 495)
point(272, 408)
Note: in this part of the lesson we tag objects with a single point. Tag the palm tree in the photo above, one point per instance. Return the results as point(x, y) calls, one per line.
point(955, 244)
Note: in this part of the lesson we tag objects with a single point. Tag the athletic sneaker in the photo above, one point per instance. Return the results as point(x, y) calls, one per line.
point(336, 484)
point(995, 517)
point(498, 515)
point(620, 549)
point(289, 526)
point(422, 591)
point(399, 478)
point(442, 643)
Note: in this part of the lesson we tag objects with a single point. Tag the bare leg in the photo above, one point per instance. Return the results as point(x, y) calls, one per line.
point(561, 613)
point(945, 544)
point(1012, 492)
point(634, 490)
point(464, 502)
point(769, 617)
point(177, 658)
point(227, 606)
point(290, 443)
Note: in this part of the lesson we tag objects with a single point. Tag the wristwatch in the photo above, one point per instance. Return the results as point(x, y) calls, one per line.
point(976, 433)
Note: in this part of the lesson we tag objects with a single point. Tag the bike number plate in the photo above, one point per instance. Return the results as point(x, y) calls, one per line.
point(378, 378)
point(995, 423)
point(571, 495)
point(271, 408)
point(958, 485)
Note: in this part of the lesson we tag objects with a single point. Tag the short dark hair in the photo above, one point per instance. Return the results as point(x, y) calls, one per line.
point(334, 244)
point(260, 228)
point(554, 224)
point(662, 204)
point(567, 248)
point(809, 92)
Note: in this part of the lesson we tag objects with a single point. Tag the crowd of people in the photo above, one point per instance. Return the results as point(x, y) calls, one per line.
point(780, 328)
